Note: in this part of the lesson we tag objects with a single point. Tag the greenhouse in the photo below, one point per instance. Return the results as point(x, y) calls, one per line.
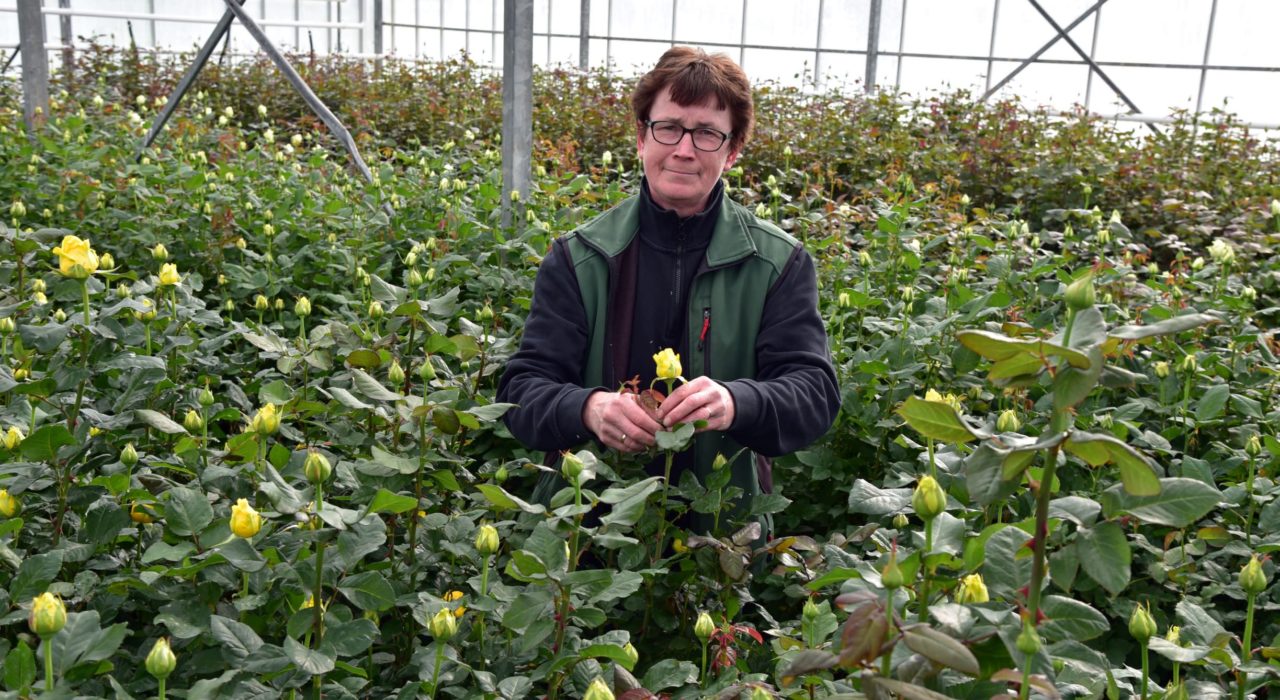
point(607, 349)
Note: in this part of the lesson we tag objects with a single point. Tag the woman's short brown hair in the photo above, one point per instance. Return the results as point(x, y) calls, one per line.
point(695, 76)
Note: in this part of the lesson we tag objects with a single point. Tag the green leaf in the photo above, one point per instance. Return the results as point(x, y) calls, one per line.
point(34, 575)
point(502, 500)
point(1212, 401)
point(1071, 619)
point(984, 475)
point(364, 358)
point(628, 503)
point(348, 399)
point(351, 638)
point(908, 691)
point(996, 347)
point(386, 502)
point(242, 555)
point(42, 445)
point(1105, 555)
point(1136, 472)
point(869, 499)
point(1180, 654)
point(19, 667)
point(371, 387)
point(613, 652)
point(1006, 566)
point(669, 673)
point(526, 608)
point(187, 512)
point(159, 421)
point(937, 420)
point(1073, 385)
point(1180, 503)
point(676, 439)
point(808, 661)
point(941, 649)
point(368, 590)
point(1168, 326)
point(237, 640)
point(311, 661)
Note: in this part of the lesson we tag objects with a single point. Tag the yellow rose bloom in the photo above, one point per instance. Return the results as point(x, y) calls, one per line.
point(668, 364)
point(76, 258)
point(9, 505)
point(245, 521)
point(13, 437)
point(972, 590)
point(48, 615)
point(169, 276)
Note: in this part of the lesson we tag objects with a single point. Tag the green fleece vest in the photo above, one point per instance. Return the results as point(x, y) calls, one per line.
point(744, 258)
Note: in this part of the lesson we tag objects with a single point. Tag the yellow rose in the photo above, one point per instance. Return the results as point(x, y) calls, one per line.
point(169, 276)
point(245, 521)
point(13, 438)
point(76, 258)
point(668, 364)
point(972, 590)
point(9, 505)
point(266, 421)
point(48, 615)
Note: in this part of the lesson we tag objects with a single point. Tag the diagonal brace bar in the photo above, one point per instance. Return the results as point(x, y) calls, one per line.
point(339, 131)
point(1048, 45)
point(1092, 64)
point(175, 97)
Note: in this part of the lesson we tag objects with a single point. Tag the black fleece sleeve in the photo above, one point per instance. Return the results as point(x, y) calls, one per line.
point(793, 398)
point(544, 377)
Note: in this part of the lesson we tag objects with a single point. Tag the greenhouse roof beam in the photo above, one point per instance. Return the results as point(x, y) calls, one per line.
point(1088, 59)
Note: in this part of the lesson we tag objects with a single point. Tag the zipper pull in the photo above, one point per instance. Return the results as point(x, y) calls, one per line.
point(706, 326)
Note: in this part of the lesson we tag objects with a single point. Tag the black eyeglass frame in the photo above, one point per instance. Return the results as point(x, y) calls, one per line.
point(693, 134)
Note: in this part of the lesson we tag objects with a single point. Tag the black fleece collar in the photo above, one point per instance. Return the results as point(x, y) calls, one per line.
point(663, 229)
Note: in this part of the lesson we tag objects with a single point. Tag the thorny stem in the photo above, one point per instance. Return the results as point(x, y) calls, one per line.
point(1043, 493)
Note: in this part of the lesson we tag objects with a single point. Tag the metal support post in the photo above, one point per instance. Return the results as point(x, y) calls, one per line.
point(517, 106)
point(584, 31)
point(35, 65)
point(1208, 45)
point(377, 27)
point(873, 44)
point(64, 32)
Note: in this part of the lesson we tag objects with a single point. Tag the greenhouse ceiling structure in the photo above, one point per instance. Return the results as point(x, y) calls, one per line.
point(1136, 60)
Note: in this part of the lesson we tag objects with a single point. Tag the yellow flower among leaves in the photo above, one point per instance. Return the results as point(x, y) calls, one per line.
point(245, 521)
point(76, 258)
point(169, 276)
point(48, 615)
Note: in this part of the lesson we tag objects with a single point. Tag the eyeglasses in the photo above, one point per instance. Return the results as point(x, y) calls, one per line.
point(670, 134)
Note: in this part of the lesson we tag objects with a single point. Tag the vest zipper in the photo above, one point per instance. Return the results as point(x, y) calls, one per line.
point(702, 339)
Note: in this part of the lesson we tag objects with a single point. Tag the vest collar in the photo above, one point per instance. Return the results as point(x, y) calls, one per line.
point(611, 232)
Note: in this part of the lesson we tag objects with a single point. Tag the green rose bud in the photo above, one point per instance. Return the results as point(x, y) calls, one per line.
point(192, 421)
point(487, 542)
point(1161, 369)
point(48, 615)
point(704, 627)
point(443, 625)
point(395, 374)
point(316, 467)
point(810, 611)
point(1141, 625)
point(129, 455)
point(1028, 640)
point(1080, 293)
point(206, 397)
point(901, 520)
point(929, 499)
point(426, 372)
point(891, 575)
point(1253, 580)
point(500, 475)
point(1253, 448)
point(570, 466)
point(161, 661)
point(302, 307)
point(1008, 421)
